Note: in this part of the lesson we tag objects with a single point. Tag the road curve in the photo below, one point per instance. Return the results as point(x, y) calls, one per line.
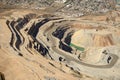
point(70, 58)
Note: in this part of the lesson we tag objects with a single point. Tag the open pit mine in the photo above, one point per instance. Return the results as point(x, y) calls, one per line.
point(51, 44)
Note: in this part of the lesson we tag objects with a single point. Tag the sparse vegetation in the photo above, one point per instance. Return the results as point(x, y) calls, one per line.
point(77, 47)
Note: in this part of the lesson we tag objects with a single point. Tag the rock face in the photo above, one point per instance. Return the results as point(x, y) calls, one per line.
point(71, 6)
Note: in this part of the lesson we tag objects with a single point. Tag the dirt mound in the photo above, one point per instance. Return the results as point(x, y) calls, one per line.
point(92, 37)
point(102, 40)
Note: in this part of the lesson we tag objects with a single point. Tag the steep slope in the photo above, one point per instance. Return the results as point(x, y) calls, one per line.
point(40, 45)
point(20, 58)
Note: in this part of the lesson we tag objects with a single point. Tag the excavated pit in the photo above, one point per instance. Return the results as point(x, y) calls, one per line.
point(59, 33)
point(62, 30)
point(18, 41)
point(35, 28)
point(65, 47)
point(78, 46)
point(67, 39)
point(40, 48)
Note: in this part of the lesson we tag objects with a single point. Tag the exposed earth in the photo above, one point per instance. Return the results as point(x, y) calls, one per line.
point(50, 43)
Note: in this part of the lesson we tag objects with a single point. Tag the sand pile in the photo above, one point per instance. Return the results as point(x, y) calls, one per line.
point(92, 38)
point(102, 40)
